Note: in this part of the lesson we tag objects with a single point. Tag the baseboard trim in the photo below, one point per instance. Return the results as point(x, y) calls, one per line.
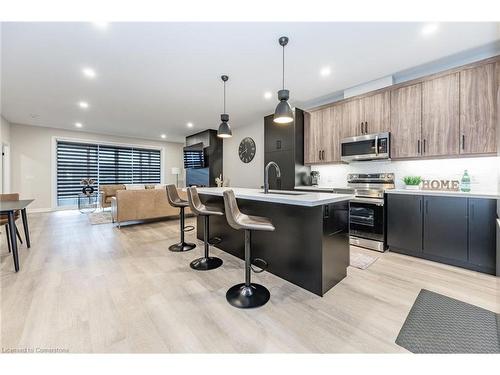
point(41, 210)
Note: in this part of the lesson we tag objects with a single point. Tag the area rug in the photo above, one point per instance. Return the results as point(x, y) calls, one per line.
point(440, 324)
point(362, 261)
point(103, 217)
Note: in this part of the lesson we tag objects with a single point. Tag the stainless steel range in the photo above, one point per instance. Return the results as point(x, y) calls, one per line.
point(367, 222)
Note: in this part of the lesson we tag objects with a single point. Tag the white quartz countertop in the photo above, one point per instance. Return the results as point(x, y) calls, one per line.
point(308, 199)
point(315, 188)
point(471, 194)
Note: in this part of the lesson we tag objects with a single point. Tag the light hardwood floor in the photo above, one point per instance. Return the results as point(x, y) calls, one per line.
point(96, 288)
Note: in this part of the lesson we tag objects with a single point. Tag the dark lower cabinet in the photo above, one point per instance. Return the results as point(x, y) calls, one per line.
point(445, 227)
point(404, 223)
point(451, 230)
point(482, 232)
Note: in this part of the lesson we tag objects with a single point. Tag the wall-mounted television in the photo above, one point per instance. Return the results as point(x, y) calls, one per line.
point(194, 156)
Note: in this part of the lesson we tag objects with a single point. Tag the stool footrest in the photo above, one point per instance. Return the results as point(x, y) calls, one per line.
point(215, 241)
point(262, 267)
point(188, 228)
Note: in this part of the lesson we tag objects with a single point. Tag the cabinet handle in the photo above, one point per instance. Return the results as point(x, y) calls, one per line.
point(463, 141)
point(420, 205)
point(362, 131)
point(323, 155)
point(424, 145)
point(418, 146)
point(319, 157)
point(366, 127)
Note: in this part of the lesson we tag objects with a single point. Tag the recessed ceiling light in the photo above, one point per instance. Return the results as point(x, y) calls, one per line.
point(78, 124)
point(88, 72)
point(189, 124)
point(325, 71)
point(83, 104)
point(101, 25)
point(164, 136)
point(429, 29)
point(268, 95)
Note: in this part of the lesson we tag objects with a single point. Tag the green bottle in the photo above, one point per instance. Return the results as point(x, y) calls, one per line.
point(465, 183)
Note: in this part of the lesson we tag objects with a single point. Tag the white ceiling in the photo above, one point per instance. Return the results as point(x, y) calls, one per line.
point(153, 78)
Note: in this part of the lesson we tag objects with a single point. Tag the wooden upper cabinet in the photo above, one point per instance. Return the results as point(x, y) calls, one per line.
point(440, 116)
point(312, 136)
point(351, 119)
point(406, 121)
point(332, 123)
point(376, 112)
point(367, 115)
point(322, 135)
point(478, 112)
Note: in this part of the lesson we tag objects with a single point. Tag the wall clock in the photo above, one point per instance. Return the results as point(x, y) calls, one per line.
point(246, 150)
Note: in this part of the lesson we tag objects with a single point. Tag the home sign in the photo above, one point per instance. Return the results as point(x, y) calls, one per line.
point(446, 185)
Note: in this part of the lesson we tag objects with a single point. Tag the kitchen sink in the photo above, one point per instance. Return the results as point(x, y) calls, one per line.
point(283, 193)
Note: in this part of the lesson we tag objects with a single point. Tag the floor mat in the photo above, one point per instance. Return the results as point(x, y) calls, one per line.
point(103, 217)
point(440, 324)
point(362, 261)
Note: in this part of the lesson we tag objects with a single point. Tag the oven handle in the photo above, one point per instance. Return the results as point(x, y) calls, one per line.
point(376, 145)
point(375, 201)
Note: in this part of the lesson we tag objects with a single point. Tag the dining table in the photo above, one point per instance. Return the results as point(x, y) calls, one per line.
point(10, 208)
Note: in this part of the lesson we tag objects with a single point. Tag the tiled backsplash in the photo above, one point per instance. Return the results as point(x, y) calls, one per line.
point(484, 171)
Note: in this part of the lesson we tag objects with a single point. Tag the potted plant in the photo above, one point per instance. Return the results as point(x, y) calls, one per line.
point(88, 189)
point(412, 182)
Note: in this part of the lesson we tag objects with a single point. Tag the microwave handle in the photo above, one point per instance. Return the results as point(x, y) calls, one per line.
point(376, 145)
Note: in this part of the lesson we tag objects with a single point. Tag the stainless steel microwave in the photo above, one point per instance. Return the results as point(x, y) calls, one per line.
point(366, 147)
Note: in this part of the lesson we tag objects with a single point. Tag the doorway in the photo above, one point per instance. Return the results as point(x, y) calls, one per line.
point(5, 168)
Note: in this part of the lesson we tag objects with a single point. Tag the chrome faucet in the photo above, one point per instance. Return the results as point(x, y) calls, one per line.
point(266, 175)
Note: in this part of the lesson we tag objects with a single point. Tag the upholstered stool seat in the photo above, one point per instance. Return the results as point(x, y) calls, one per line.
point(176, 201)
point(247, 294)
point(206, 262)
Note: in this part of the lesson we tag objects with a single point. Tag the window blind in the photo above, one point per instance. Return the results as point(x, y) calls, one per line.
point(75, 161)
point(107, 164)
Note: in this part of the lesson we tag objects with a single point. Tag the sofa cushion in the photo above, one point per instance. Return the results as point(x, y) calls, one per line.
point(134, 187)
point(110, 190)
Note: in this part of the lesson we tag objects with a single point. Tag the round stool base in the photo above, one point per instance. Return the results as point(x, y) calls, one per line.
point(206, 264)
point(245, 297)
point(183, 246)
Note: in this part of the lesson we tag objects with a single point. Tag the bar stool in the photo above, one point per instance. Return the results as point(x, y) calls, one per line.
point(176, 201)
point(247, 294)
point(206, 262)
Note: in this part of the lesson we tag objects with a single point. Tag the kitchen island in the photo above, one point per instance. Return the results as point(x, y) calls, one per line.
point(310, 246)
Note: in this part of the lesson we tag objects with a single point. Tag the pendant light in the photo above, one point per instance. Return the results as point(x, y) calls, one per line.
point(224, 128)
point(283, 113)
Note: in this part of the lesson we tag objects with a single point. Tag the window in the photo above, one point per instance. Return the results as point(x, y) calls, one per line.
point(104, 163)
point(75, 161)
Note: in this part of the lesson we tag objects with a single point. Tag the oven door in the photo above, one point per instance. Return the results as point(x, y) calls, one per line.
point(367, 219)
point(366, 147)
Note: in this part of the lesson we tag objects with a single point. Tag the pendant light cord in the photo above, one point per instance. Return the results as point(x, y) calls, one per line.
point(283, 67)
point(224, 96)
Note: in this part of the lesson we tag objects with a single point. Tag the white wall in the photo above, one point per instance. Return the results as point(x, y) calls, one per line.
point(32, 151)
point(483, 171)
point(4, 139)
point(249, 175)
